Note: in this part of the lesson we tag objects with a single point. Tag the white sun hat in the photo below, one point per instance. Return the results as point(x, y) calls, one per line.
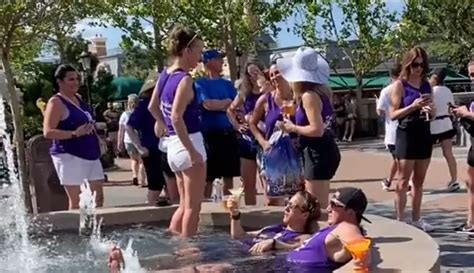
point(307, 65)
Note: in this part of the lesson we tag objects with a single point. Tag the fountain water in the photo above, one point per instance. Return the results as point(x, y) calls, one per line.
point(19, 255)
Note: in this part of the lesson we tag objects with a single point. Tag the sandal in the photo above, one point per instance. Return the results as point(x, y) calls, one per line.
point(163, 202)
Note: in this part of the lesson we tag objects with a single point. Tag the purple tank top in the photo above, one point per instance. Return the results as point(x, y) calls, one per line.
point(312, 254)
point(278, 232)
point(271, 116)
point(167, 86)
point(412, 93)
point(327, 114)
point(250, 102)
point(86, 147)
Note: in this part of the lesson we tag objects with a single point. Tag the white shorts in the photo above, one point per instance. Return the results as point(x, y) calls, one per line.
point(178, 156)
point(73, 170)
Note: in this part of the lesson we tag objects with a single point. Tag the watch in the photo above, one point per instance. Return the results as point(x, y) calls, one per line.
point(73, 134)
point(236, 217)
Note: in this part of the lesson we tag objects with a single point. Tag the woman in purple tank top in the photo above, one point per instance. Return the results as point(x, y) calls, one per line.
point(309, 74)
point(75, 150)
point(411, 105)
point(269, 110)
point(239, 113)
point(174, 106)
point(299, 221)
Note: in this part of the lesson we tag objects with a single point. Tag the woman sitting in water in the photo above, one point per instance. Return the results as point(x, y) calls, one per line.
point(299, 222)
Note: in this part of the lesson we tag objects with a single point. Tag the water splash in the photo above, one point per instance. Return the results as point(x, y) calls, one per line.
point(87, 205)
point(89, 226)
point(19, 255)
point(132, 264)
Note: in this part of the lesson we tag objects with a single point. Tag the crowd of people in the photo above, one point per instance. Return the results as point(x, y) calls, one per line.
point(419, 112)
point(182, 134)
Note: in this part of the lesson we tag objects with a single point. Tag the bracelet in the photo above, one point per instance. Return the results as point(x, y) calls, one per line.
point(274, 244)
point(236, 217)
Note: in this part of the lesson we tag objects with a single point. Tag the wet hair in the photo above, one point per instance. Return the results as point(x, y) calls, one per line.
point(313, 208)
point(410, 57)
point(61, 72)
point(396, 70)
point(181, 38)
point(245, 86)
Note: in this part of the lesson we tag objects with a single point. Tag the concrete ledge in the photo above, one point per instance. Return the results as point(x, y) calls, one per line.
point(398, 247)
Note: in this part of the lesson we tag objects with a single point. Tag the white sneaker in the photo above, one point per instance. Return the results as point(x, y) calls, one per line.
point(421, 224)
point(452, 187)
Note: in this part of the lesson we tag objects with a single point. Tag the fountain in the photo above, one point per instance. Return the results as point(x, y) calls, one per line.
point(18, 254)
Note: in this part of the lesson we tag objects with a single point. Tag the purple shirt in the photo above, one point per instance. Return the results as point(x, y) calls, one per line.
point(312, 254)
point(87, 146)
point(327, 114)
point(143, 121)
point(167, 86)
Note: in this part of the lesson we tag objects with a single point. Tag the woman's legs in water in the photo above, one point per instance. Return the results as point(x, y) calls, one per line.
point(320, 190)
point(177, 219)
point(447, 147)
point(405, 169)
point(248, 170)
point(419, 174)
point(194, 181)
point(73, 196)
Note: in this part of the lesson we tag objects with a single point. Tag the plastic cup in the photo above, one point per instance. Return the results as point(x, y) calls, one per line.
point(359, 250)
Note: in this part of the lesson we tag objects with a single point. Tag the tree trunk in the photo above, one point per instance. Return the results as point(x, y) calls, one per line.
point(18, 140)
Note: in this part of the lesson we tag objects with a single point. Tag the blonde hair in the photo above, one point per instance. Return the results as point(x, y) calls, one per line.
point(132, 102)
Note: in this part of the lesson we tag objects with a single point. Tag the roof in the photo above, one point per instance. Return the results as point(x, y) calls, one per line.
point(126, 86)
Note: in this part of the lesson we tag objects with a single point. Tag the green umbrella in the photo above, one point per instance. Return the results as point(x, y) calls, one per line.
point(126, 86)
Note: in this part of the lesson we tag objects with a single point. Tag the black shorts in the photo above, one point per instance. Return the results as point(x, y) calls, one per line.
point(391, 150)
point(321, 159)
point(470, 157)
point(154, 173)
point(247, 148)
point(222, 150)
point(414, 142)
point(165, 166)
point(443, 136)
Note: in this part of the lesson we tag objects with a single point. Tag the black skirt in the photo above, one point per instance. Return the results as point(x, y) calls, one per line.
point(414, 141)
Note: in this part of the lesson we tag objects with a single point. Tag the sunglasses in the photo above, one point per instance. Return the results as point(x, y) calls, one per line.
point(291, 206)
point(334, 204)
point(416, 65)
point(192, 40)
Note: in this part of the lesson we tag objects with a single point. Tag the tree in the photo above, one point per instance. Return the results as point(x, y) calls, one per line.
point(366, 34)
point(137, 62)
point(224, 24)
point(21, 23)
point(233, 25)
point(446, 26)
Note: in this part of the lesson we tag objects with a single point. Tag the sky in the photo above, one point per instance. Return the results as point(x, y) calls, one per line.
point(284, 38)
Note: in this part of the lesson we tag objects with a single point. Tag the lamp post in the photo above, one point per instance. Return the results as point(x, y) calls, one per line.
point(238, 54)
point(85, 59)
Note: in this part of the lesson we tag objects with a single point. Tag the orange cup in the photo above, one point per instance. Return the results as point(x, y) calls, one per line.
point(359, 250)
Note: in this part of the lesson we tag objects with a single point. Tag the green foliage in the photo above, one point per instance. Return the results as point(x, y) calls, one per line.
point(137, 62)
point(446, 26)
point(102, 88)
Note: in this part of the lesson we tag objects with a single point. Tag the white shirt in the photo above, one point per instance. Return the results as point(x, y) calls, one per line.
point(383, 104)
point(441, 97)
point(123, 121)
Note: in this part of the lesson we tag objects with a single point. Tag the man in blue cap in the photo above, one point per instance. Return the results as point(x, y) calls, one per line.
point(215, 95)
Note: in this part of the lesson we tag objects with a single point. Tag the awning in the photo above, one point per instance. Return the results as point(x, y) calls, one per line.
point(126, 86)
point(379, 80)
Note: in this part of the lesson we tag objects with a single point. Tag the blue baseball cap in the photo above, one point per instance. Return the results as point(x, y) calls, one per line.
point(211, 54)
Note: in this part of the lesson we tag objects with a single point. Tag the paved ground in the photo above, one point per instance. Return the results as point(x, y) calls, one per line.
point(364, 164)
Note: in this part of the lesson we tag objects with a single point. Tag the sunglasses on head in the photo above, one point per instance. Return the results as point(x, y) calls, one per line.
point(416, 65)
